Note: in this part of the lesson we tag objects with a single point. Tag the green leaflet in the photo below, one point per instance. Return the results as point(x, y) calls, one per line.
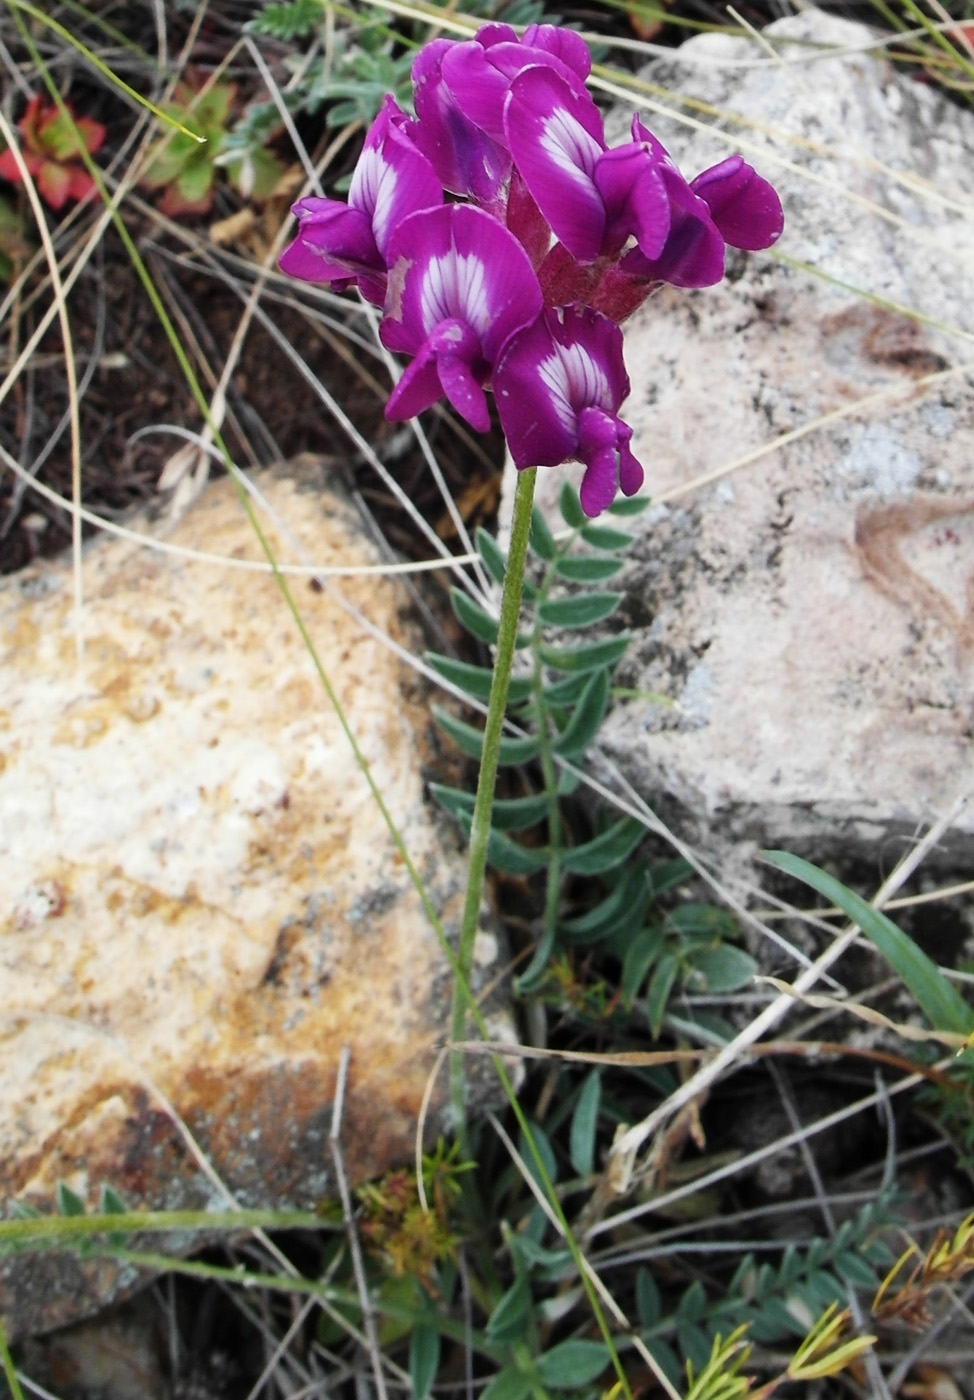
point(585, 1123)
point(574, 1363)
point(633, 505)
point(424, 1359)
point(579, 611)
point(506, 855)
point(476, 680)
point(586, 657)
point(475, 618)
point(571, 507)
point(588, 714)
point(507, 813)
point(541, 540)
point(604, 537)
point(577, 568)
point(605, 851)
point(471, 741)
point(624, 904)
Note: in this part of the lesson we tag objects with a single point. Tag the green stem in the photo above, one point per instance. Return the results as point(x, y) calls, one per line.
point(496, 710)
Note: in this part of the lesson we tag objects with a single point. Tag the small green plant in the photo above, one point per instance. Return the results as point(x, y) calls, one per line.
point(412, 1239)
point(51, 142)
point(599, 894)
point(186, 168)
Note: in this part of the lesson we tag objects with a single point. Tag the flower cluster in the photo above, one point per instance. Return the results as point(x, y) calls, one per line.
point(521, 289)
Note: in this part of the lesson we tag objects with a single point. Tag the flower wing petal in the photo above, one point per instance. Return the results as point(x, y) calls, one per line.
point(393, 178)
point(333, 242)
point(466, 160)
point(743, 205)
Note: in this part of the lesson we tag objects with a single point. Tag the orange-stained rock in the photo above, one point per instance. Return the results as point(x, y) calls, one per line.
point(199, 900)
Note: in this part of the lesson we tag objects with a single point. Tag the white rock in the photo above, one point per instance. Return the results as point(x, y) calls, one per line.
point(201, 902)
point(812, 613)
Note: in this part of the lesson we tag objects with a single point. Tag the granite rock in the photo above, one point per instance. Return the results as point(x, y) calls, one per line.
point(201, 903)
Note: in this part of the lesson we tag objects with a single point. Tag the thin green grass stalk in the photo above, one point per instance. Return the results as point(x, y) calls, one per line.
point(23, 1231)
point(464, 997)
point(487, 779)
point(86, 53)
point(91, 16)
point(9, 1369)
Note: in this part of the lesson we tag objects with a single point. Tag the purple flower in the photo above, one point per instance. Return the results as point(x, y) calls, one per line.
point(460, 285)
point(344, 243)
point(560, 383)
point(729, 203)
point(522, 289)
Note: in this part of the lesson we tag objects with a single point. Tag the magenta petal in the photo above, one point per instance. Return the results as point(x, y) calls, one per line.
point(418, 389)
point(599, 484)
point(309, 264)
point(333, 242)
point(563, 44)
point(636, 202)
point(457, 263)
point(480, 79)
point(466, 160)
point(554, 133)
point(463, 391)
point(449, 361)
point(604, 447)
point(489, 34)
point(743, 205)
point(479, 85)
point(393, 178)
point(693, 255)
point(631, 474)
point(537, 419)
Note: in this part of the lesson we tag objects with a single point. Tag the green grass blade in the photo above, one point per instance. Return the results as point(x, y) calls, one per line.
point(938, 999)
